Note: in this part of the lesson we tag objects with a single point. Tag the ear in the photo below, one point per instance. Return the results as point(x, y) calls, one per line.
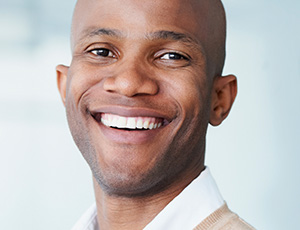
point(223, 95)
point(62, 73)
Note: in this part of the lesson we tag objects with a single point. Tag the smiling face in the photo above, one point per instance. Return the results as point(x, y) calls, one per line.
point(138, 91)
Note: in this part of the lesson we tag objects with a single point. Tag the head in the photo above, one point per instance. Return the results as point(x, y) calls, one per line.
point(144, 83)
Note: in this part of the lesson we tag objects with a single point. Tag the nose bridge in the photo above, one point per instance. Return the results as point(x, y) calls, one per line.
point(131, 74)
point(131, 78)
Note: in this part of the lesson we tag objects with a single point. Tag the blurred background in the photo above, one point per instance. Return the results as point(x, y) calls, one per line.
point(254, 155)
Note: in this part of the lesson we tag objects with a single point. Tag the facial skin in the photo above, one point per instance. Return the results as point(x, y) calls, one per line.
point(146, 59)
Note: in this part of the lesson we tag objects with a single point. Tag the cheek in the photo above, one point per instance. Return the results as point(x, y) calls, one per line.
point(83, 76)
point(79, 80)
point(191, 92)
point(77, 85)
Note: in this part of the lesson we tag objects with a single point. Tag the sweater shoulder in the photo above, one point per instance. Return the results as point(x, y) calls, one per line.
point(223, 219)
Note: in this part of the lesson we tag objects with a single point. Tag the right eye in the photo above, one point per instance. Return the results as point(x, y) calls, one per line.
point(103, 52)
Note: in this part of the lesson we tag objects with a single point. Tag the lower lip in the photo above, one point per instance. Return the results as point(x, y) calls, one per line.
point(128, 137)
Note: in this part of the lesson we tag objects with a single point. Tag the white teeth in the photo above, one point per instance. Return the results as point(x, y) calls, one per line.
point(130, 122)
point(121, 123)
point(139, 124)
point(146, 124)
point(105, 122)
point(114, 122)
point(151, 126)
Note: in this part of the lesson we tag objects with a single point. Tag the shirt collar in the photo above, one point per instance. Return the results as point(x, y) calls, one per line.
point(196, 202)
point(88, 221)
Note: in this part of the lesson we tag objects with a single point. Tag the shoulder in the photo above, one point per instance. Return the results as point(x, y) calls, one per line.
point(223, 219)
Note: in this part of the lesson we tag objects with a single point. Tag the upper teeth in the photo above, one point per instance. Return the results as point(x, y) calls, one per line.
point(130, 122)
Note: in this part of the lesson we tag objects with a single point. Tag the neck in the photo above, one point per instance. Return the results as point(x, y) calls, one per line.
point(133, 213)
point(128, 213)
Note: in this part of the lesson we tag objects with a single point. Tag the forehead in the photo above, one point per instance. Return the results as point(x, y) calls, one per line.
point(136, 18)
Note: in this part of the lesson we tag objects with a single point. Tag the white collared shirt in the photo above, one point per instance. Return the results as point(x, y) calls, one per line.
point(196, 202)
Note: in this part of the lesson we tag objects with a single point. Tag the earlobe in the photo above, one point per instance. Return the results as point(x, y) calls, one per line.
point(223, 95)
point(61, 74)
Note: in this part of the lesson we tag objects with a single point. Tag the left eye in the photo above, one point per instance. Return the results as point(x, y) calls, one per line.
point(173, 56)
point(103, 52)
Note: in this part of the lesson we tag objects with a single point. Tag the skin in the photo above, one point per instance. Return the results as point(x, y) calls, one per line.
point(145, 58)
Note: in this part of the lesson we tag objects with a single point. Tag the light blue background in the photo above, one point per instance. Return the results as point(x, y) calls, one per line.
point(254, 155)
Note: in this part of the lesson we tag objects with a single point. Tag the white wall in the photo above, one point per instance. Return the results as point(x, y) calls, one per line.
point(44, 181)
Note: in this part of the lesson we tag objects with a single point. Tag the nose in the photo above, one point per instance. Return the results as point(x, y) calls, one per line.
point(130, 81)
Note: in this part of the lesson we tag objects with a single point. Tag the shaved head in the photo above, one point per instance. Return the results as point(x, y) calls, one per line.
point(206, 17)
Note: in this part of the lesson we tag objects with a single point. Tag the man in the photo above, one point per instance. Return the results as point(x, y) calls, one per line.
point(144, 82)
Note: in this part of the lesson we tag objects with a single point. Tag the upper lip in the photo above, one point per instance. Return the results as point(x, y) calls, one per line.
point(131, 112)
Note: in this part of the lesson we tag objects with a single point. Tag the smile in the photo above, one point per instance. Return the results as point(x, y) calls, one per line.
point(131, 123)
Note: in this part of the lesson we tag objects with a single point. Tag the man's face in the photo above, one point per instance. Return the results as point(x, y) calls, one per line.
point(138, 92)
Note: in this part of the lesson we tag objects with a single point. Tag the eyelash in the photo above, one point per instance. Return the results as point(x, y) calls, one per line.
point(165, 57)
point(107, 52)
point(174, 56)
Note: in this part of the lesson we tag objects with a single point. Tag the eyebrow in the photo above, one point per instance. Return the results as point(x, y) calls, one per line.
point(152, 36)
point(170, 35)
point(103, 31)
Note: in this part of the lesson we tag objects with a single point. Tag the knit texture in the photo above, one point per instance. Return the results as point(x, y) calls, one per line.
point(223, 219)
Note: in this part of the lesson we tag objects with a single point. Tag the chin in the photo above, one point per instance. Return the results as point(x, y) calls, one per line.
point(129, 183)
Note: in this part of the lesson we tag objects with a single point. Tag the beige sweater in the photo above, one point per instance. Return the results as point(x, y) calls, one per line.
point(223, 219)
